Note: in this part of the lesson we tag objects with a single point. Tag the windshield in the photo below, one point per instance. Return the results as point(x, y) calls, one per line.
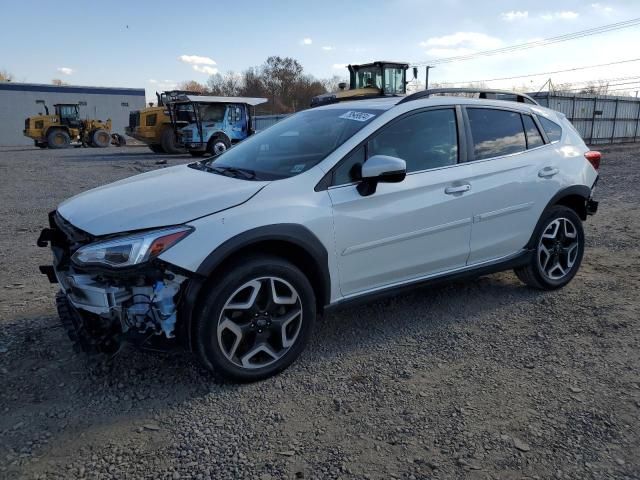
point(293, 145)
point(394, 81)
point(368, 77)
point(211, 113)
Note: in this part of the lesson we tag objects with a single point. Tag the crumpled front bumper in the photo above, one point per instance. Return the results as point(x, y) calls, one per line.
point(101, 309)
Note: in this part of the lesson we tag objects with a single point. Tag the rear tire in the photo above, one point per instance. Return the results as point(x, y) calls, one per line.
point(58, 139)
point(100, 138)
point(169, 142)
point(558, 243)
point(155, 148)
point(257, 321)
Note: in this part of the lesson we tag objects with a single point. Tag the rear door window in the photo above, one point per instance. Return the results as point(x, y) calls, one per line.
point(495, 132)
point(534, 139)
point(553, 130)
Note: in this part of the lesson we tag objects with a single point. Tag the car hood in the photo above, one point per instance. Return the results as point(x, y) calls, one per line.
point(169, 196)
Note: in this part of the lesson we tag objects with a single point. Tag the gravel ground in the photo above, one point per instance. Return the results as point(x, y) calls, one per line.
point(477, 379)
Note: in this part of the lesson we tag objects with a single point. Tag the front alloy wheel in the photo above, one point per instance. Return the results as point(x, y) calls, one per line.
point(255, 319)
point(260, 322)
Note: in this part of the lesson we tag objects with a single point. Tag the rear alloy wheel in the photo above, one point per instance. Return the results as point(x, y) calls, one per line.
point(58, 139)
point(559, 249)
point(257, 323)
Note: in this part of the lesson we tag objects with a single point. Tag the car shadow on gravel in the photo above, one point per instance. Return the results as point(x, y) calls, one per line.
point(417, 314)
point(39, 348)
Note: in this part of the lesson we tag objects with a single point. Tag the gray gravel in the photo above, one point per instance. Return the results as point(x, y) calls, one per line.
point(477, 379)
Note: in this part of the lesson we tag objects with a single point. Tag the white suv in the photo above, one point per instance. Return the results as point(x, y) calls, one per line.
point(235, 256)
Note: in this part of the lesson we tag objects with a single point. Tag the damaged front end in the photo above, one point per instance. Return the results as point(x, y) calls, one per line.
point(114, 289)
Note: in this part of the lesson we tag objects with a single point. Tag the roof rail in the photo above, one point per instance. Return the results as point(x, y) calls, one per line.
point(483, 93)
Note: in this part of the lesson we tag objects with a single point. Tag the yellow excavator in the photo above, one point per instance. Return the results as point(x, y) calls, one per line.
point(368, 80)
point(65, 128)
point(152, 125)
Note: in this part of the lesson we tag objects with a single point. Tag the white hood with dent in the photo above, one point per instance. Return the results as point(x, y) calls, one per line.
point(169, 196)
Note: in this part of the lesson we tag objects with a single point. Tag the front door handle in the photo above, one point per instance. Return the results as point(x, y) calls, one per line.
point(457, 189)
point(548, 172)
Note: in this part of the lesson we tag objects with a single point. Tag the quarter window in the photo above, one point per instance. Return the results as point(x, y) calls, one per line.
point(534, 139)
point(554, 131)
point(495, 132)
point(350, 168)
point(424, 140)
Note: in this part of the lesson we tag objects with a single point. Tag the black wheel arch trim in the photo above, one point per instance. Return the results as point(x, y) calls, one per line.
point(579, 190)
point(289, 233)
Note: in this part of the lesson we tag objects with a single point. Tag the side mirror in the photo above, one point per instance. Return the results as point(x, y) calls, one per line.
point(381, 168)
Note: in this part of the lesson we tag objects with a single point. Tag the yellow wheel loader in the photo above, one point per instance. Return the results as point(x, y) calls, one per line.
point(376, 79)
point(65, 128)
point(153, 125)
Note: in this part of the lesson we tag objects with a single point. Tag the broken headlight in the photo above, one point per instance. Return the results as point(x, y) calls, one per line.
point(130, 250)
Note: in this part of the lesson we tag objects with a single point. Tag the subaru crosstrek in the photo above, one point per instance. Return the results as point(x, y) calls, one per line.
point(233, 257)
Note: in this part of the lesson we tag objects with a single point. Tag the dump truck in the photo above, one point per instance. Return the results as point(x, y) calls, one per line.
point(215, 123)
point(376, 79)
point(65, 128)
point(153, 126)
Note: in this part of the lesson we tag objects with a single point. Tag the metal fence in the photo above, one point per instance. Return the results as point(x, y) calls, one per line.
point(598, 118)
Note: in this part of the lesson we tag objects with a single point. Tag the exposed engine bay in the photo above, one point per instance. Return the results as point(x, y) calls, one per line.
point(102, 308)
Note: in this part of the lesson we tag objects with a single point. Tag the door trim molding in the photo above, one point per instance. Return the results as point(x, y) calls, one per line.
point(521, 207)
point(405, 236)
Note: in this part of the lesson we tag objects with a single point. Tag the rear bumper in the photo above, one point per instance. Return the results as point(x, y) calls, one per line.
point(591, 206)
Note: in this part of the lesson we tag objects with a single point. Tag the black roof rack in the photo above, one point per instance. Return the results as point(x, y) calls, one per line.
point(483, 93)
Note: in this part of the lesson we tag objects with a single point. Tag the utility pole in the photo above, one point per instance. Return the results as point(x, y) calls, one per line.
point(426, 77)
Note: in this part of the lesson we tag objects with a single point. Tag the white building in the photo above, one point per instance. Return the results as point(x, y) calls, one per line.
point(21, 100)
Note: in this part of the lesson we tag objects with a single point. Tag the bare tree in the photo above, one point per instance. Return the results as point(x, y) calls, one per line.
point(6, 76)
point(57, 81)
point(228, 85)
point(193, 86)
point(281, 80)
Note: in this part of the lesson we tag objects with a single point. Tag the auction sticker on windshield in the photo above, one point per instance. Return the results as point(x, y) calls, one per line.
point(357, 116)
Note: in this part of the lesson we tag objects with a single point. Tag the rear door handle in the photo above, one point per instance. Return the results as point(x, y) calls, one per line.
point(548, 172)
point(457, 189)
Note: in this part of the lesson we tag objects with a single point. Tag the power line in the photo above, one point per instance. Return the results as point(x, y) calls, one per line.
point(538, 43)
point(547, 73)
point(606, 86)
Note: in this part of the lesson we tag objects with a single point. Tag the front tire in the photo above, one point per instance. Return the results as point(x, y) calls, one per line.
point(100, 138)
point(218, 145)
point(255, 320)
point(558, 249)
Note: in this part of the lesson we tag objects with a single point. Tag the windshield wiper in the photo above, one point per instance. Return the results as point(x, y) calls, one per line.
point(233, 171)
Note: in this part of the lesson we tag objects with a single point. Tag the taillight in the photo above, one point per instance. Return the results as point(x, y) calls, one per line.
point(594, 158)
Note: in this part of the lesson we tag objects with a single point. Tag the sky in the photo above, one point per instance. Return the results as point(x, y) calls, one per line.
point(156, 45)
